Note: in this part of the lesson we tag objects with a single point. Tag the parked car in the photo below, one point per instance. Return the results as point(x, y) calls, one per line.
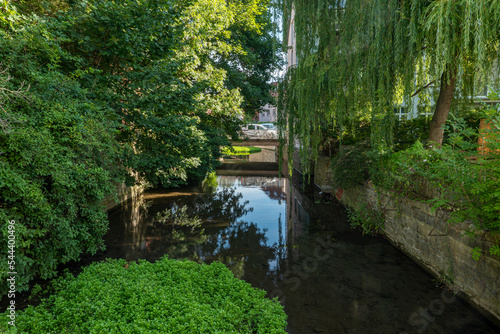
point(259, 131)
point(270, 126)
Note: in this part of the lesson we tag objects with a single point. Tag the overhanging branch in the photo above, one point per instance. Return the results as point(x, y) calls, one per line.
point(423, 87)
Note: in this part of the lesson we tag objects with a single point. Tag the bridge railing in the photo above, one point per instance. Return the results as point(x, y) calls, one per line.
point(259, 134)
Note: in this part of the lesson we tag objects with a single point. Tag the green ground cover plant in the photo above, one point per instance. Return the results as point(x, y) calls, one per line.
point(240, 150)
point(168, 296)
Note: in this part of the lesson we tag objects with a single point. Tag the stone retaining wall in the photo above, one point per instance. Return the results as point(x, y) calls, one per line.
point(440, 248)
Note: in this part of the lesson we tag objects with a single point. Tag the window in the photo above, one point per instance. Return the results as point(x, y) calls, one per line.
point(400, 112)
point(425, 111)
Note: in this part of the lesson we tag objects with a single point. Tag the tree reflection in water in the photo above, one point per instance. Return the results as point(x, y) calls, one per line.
point(203, 228)
point(238, 241)
point(178, 216)
point(225, 204)
point(329, 276)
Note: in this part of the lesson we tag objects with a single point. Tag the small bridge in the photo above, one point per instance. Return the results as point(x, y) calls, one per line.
point(263, 165)
point(257, 137)
point(237, 168)
point(256, 142)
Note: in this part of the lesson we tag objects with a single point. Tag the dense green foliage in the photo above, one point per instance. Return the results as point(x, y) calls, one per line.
point(467, 181)
point(357, 160)
point(165, 297)
point(460, 178)
point(95, 93)
point(368, 219)
point(58, 162)
point(359, 59)
point(349, 166)
point(260, 57)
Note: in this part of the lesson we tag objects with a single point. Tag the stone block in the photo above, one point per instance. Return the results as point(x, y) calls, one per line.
point(440, 248)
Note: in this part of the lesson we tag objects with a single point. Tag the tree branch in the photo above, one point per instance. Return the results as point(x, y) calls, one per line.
point(5, 117)
point(422, 88)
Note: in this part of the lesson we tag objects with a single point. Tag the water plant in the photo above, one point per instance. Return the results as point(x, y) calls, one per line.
point(369, 219)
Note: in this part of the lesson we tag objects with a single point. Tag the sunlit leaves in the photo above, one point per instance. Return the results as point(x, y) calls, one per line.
point(168, 296)
point(365, 57)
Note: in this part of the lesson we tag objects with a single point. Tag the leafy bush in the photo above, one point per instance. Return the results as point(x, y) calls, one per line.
point(350, 166)
point(463, 181)
point(407, 132)
point(356, 164)
point(114, 86)
point(466, 181)
point(168, 296)
point(57, 164)
point(370, 220)
point(454, 177)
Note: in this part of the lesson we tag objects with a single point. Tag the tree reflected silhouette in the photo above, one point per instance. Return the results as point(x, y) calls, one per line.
point(274, 192)
point(202, 228)
point(240, 240)
point(225, 204)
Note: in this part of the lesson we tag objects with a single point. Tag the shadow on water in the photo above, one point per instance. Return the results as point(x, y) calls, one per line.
point(330, 278)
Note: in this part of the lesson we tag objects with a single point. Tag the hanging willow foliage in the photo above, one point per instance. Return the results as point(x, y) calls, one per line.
point(357, 59)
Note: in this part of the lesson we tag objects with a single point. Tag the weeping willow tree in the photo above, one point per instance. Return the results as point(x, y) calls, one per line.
point(357, 59)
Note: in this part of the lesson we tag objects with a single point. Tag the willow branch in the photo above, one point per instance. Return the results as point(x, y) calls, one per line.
point(423, 87)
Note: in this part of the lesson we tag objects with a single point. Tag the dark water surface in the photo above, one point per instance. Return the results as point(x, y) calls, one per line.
point(330, 278)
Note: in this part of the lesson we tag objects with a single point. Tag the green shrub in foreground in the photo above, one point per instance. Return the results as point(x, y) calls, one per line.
point(168, 296)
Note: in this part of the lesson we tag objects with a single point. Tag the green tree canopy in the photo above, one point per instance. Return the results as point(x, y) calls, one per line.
point(115, 87)
point(360, 58)
point(252, 67)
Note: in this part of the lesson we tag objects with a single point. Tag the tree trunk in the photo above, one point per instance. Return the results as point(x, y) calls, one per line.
point(443, 106)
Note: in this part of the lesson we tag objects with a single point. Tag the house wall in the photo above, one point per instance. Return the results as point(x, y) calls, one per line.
point(268, 114)
point(291, 57)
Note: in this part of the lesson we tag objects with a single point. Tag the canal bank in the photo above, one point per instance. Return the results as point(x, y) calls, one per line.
point(440, 248)
point(444, 250)
point(299, 247)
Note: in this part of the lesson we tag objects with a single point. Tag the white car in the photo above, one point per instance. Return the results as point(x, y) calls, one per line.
point(270, 126)
point(255, 131)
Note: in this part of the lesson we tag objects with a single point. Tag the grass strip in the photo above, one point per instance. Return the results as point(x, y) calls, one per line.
point(240, 150)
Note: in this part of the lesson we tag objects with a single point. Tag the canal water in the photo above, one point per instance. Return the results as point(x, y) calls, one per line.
point(298, 247)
